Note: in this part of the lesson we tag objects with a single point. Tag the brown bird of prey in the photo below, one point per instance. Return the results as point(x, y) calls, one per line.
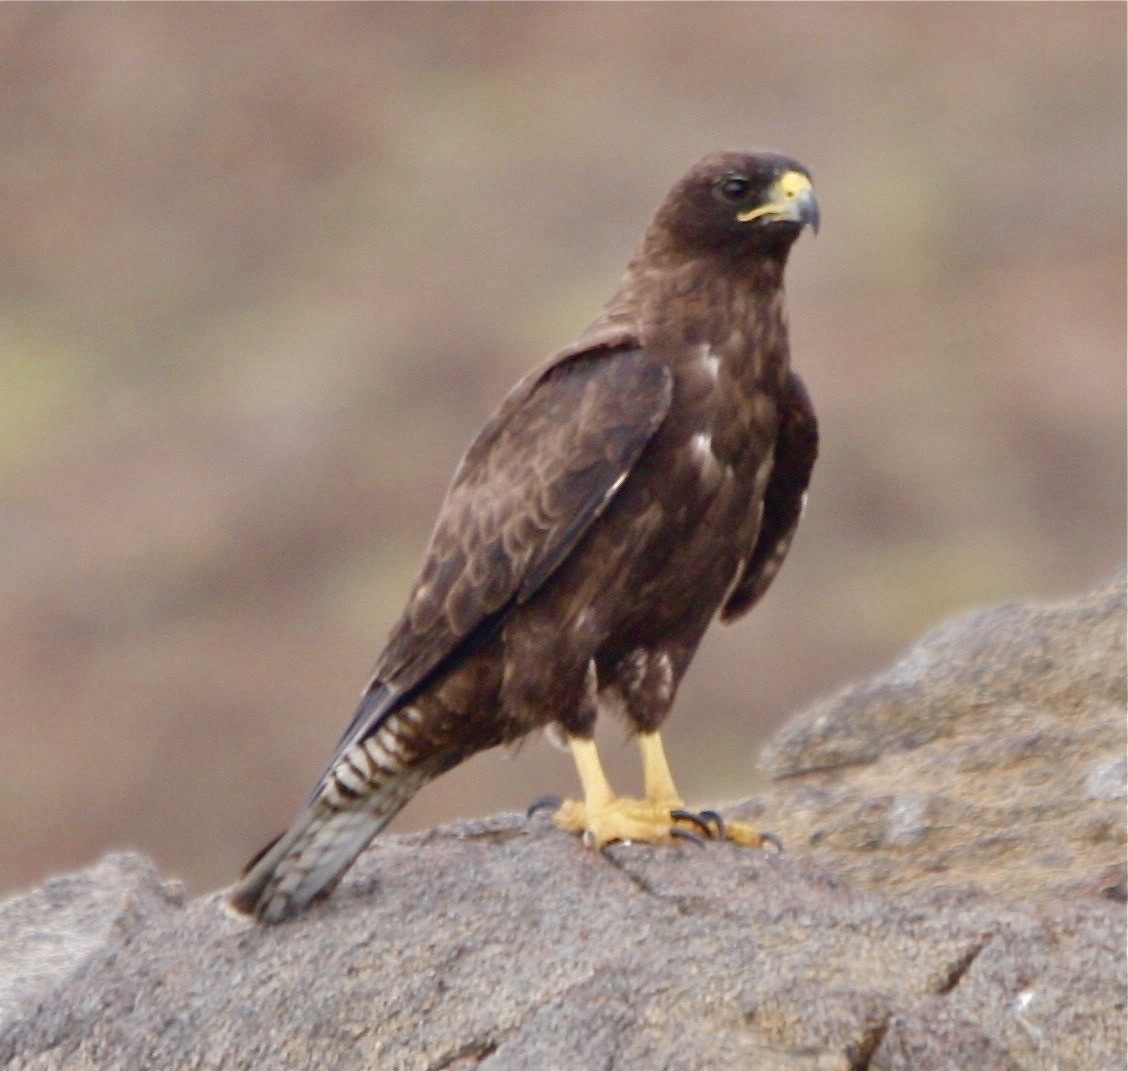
point(647, 475)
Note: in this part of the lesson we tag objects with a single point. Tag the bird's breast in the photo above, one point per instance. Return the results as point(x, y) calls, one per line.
point(724, 416)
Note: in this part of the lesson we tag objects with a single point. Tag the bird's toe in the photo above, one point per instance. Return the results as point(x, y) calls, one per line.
point(749, 836)
point(544, 803)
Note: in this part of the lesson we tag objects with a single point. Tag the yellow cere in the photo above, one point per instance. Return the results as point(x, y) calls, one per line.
point(787, 187)
point(793, 183)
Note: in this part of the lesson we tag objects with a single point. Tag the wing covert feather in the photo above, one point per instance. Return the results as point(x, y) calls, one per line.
point(797, 445)
point(530, 485)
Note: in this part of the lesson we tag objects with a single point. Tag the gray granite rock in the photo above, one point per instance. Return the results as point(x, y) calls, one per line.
point(992, 755)
point(505, 944)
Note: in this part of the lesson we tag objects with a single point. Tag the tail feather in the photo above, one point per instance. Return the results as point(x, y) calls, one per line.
point(308, 860)
point(379, 765)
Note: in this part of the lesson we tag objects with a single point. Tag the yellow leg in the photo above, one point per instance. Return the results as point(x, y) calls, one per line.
point(593, 781)
point(657, 779)
point(660, 790)
point(603, 817)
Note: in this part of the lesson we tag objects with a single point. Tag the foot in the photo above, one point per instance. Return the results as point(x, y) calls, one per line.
point(717, 828)
point(660, 818)
point(623, 819)
point(653, 822)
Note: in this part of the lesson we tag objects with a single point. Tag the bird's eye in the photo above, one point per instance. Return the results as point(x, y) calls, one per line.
point(733, 188)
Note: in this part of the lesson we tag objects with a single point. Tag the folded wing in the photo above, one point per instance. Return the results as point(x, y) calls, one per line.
point(797, 445)
point(542, 470)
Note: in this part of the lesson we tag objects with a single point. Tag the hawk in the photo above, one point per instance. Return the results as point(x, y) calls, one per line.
point(647, 476)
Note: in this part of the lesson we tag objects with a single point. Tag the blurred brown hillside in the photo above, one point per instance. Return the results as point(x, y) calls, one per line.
point(265, 269)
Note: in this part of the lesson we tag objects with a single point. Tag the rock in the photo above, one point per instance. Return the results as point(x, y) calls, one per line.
point(993, 755)
point(875, 942)
point(48, 936)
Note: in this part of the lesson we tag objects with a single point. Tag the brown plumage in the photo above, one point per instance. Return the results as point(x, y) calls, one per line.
point(645, 477)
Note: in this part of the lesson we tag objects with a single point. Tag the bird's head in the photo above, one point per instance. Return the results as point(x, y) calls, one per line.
point(746, 204)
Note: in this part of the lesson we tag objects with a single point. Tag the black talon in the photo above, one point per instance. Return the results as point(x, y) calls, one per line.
point(689, 816)
point(772, 839)
point(541, 804)
point(688, 834)
point(714, 816)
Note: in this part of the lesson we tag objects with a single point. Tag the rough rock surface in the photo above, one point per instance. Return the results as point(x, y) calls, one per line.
point(952, 898)
point(993, 755)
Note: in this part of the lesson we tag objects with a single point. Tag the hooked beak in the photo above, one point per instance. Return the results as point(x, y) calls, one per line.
point(790, 199)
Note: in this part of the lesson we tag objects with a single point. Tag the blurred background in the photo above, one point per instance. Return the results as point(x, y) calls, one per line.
point(265, 270)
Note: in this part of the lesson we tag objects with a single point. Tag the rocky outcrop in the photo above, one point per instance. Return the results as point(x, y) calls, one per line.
point(992, 755)
point(952, 897)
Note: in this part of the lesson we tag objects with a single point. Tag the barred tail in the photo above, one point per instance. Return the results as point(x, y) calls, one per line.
point(368, 782)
